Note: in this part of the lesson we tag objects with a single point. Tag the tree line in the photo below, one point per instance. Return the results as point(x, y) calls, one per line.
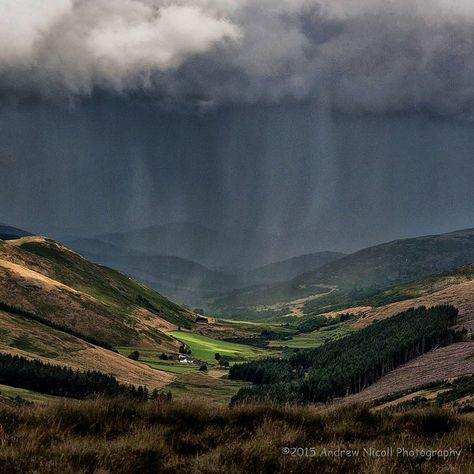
point(350, 364)
point(50, 379)
point(314, 323)
point(59, 327)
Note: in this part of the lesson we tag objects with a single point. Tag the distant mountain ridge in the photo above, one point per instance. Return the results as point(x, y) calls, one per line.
point(92, 246)
point(8, 232)
point(186, 240)
point(374, 267)
point(292, 267)
point(185, 280)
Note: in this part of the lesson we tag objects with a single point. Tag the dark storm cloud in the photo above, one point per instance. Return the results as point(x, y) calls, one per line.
point(284, 180)
point(270, 161)
point(359, 55)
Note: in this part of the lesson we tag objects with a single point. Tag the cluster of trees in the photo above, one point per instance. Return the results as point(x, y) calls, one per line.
point(62, 381)
point(184, 349)
point(221, 360)
point(135, 355)
point(350, 364)
point(58, 327)
point(314, 323)
point(262, 339)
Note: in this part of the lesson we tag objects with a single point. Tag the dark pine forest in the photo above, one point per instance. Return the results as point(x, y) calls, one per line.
point(348, 365)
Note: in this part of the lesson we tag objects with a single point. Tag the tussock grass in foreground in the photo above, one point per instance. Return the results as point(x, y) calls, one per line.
point(121, 436)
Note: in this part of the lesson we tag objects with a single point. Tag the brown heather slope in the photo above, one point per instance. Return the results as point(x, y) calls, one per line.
point(48, 281)
point(440, 364)
point(46, 278)
point(23, 337)
point(460, 295)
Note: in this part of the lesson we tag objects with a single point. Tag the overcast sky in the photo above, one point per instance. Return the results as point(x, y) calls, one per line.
point(302, 125)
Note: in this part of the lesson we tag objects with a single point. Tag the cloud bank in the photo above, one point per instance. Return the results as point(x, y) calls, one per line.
point(352, 55)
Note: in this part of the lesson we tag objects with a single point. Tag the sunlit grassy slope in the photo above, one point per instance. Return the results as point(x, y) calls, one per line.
point(45, 278)
point(205, 348)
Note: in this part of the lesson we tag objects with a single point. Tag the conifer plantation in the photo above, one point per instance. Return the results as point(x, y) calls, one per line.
point(61, 381)
point(349, 365)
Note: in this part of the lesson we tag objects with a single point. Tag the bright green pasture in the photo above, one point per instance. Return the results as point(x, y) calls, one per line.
point(204, 348)
point(151, 357)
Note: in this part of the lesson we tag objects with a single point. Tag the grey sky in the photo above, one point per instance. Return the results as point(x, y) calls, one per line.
point(286, 179)
point(296, 125)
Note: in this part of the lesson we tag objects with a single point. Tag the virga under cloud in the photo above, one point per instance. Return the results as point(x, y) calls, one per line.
point(362, 55)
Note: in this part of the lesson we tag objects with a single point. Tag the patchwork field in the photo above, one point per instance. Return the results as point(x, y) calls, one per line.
point(151, 357)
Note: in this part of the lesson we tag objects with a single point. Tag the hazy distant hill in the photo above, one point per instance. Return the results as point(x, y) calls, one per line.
point(374, 267)
point(187, 281)
point(8, 232)
point(186, 240)
point(292, 267)
point(91, 246)
point(177, 278)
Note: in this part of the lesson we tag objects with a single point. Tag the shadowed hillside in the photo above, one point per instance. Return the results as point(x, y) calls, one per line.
point(291, 268)
point(182, 279)
point(9, 233)
point(372, 268)
point(182, 239)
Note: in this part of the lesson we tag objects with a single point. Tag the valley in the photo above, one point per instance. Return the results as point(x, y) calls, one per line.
point(60, 309)
point(48, 289)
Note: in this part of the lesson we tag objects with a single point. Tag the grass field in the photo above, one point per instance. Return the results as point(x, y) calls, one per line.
point(316, 338)
point(211, 389)
point(28, 395)
point(151, 357)
point(204, 348)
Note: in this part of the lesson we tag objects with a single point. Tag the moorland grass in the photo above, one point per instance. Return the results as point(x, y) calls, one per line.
point(118, 436)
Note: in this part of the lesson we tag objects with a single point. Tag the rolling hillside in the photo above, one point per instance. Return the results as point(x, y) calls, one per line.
point(43, 276)
point(58, 306)
point(455, 287)
point(33, 340)
point(365, 271)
